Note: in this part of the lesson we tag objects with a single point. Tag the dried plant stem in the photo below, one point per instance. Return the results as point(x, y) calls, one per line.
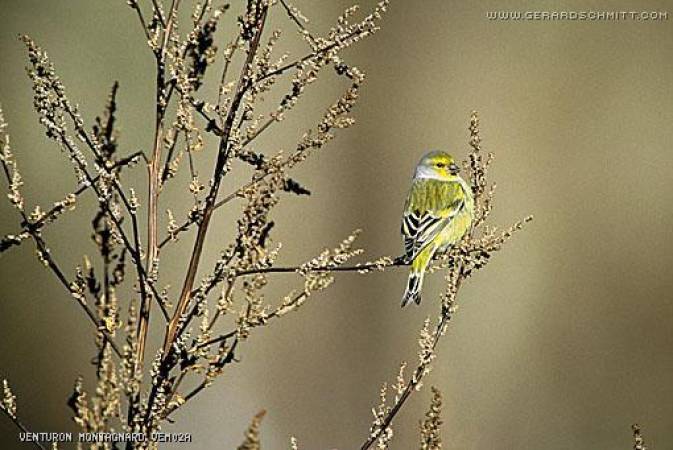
point(223, 155)
point(159, 13)
point(220, 338)
point(291, 14)
point(398, 262)
point(419, 373)
point(172, 82)
point(154, 176)
point(143, 23)
point(298, 62)
point(217, 314)
point(223, 78)
point(228, 198)
point(154, 183)
point(176, 385)
point(204, 293)
point(175, 5)
point(100, 327)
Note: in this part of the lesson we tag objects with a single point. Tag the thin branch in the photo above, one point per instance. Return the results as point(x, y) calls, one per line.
point(225, 70)
point(305, 58)
point(293, 16)
point(220, 338)
point(48, 217)
point(176, 385)
point(165, 172)
point(159, 14)
point(135, 6)
point(218, 312)
point(168, 29)
point(397, 262)
point(195, 218)
point(213, 127)
point(203, 294)
point(172, 82)
point(100, 327)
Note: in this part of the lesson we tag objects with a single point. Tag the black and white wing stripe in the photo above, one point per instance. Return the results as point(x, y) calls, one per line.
point(419, 229)
point(415, 226)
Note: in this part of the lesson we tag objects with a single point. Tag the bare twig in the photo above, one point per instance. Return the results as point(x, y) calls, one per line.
point(361, 268)
point(143, 24)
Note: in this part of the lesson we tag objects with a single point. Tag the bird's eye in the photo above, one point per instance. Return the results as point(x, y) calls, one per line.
point(440, 165)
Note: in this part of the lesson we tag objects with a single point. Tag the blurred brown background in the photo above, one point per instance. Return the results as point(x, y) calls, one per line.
point(562, 342)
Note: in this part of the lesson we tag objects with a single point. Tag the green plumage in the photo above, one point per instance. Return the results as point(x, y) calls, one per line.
point(436, 197)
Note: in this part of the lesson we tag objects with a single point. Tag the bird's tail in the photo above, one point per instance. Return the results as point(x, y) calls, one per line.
point(413, 290)
point(415, 281)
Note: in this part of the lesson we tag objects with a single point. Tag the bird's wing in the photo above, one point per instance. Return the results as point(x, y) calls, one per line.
point(430, 207)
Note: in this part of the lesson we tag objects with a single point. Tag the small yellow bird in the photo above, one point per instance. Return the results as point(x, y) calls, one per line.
point(437, 214)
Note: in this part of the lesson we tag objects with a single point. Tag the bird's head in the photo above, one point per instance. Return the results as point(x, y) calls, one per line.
point(438, 165)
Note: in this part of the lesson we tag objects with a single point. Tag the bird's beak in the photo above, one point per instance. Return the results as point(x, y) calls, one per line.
point(454, 169)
